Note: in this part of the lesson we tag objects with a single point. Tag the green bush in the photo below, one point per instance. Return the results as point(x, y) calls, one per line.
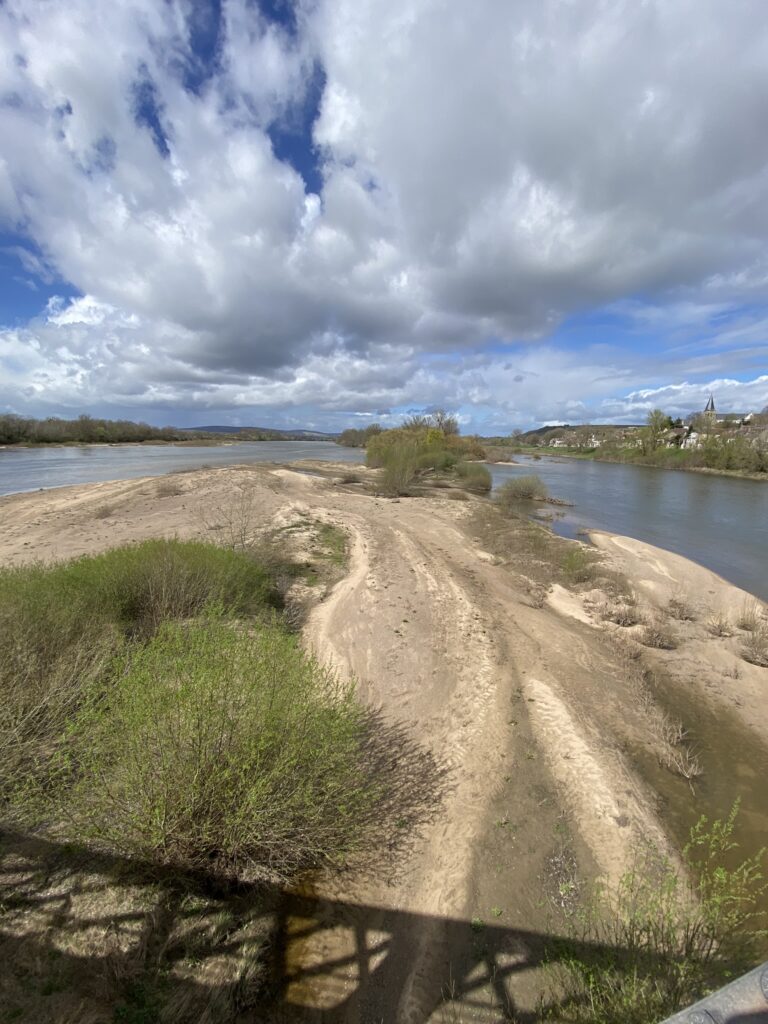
point(520, 488)
point(217, 747)
point(475, 476)
point(667, 936)
point(578, 564)
point(61, 625)
point(400, 465)
point(440, 459)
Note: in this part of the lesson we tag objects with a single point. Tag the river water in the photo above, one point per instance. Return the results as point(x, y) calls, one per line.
point(720, 522)
point(29, 469)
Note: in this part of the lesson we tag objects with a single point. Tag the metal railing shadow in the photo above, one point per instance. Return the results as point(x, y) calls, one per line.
point(328, 960)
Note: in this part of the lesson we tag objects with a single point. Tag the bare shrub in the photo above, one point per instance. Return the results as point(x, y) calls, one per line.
point(350, 478)
point(655, 634)
point(683, 762)
point(620, 614)
point(104, 512)
point(755, 647)
point(236, 520)
point(719, 624)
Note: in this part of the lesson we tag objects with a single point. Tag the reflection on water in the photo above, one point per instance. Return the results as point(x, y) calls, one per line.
point(28, 469)
point(720, 522)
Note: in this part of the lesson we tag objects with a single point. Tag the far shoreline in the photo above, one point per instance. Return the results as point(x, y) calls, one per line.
point(735, 474)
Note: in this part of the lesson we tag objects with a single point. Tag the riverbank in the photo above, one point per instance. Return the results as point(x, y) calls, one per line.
point(593, 456)
point(485, 638)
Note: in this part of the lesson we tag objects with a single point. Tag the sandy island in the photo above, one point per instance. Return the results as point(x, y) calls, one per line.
point(531, 703)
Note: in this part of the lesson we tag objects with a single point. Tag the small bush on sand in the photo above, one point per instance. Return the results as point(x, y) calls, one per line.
point(621, 614)
point(667, 937)
point(520, 488)
point(655, 634)
point(680, 608)
point(168, 489)
point(755, 647)
point(578, 565)
point(474, 476)
point(221, 748)
point(748, 617)
point(718, 624)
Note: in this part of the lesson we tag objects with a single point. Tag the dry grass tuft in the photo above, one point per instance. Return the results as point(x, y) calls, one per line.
point(655, 634)
point(621, 614)
point(749, 616)
point(719, 624)
point(168, 489)
point(680, 608)
point(755, 647)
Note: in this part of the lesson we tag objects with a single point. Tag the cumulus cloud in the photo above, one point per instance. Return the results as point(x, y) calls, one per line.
point(488, 170)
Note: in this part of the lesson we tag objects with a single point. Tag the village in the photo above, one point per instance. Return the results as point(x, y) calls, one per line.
point(707, 430)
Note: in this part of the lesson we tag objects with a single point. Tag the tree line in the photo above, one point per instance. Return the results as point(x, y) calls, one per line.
point(85, 429)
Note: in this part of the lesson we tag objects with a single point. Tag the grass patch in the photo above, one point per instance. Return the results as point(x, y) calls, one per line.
point(334, 543)
point(578, 565)
point(667, 936)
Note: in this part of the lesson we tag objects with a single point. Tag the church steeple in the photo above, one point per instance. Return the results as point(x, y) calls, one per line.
point(710, 406)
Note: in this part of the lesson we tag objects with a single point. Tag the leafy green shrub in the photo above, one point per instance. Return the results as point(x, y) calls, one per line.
point(440, 459)
point(400, 464)
point(520, 488)
point(217, 747)
point(667, 936)
point(475, 476)
point(61, 625)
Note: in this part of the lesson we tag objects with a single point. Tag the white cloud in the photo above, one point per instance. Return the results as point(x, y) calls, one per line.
point(488, 169)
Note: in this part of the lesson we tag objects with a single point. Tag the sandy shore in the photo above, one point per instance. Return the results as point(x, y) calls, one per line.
point(532, 706)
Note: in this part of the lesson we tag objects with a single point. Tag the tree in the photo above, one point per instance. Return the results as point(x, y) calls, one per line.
point(446, 421)
point(656, 424)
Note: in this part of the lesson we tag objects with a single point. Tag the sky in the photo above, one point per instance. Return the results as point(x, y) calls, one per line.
point(327, 213)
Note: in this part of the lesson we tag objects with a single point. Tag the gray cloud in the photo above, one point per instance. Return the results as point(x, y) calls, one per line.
point(488, 170)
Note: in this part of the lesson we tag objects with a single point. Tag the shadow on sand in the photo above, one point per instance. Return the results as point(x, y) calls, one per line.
point(97, 942)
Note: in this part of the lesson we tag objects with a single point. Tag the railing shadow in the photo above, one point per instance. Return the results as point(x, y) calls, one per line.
point(316, 960)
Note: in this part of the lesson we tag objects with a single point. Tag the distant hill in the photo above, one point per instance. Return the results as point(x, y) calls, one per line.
point(309, 435)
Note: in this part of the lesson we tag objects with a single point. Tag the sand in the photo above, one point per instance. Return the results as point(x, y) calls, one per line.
point(531, 709)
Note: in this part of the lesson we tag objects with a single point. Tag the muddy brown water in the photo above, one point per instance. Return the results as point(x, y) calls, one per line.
point(735, 767)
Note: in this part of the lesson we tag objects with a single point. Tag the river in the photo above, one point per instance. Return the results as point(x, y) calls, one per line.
point(29, 469)
point(720, 522)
